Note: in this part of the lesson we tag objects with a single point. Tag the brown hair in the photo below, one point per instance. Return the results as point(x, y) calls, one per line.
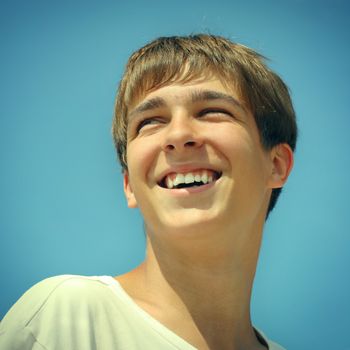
point(183, 58)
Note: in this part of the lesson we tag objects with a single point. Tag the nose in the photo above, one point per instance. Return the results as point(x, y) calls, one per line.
point(181, 134)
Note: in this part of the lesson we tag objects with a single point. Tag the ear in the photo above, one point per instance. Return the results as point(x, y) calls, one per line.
point(282, 158)
point(129, 194)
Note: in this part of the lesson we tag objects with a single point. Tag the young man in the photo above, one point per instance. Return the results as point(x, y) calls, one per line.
point(205, 133)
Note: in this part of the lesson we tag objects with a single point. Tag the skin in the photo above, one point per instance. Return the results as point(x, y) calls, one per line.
point(202, 244)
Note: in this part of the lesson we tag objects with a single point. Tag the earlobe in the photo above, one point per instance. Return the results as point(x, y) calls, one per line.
point(282, 163)
point(129, 194)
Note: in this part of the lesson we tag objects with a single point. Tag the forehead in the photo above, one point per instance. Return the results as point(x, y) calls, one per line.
point(203, 88)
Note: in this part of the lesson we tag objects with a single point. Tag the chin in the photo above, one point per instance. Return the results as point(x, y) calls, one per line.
point(193, 222)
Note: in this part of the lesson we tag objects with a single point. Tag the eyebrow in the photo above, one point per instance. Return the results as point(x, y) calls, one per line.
point(153, 103)
point(210, 95)
point(196, 96)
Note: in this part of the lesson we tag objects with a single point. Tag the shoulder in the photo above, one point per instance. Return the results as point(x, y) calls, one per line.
point(32, 301)
point(59, 288)
point(53, 300)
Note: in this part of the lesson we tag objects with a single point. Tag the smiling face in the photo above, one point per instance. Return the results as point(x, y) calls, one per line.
point(195, 160)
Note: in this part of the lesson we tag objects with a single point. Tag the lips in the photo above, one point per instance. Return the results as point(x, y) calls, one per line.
point(195, 178)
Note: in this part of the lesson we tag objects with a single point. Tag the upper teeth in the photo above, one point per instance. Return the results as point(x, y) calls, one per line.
point(175, 179)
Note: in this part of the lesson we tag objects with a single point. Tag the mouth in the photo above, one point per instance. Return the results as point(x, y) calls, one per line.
point(189, 179)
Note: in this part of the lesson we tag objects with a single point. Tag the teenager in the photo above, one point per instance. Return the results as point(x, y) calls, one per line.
point(205, 134)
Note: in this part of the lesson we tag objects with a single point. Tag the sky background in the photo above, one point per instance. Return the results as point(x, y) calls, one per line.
point(62, 209)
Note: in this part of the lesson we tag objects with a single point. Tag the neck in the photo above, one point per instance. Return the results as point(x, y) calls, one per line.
point(206, 285)
point(190, 267)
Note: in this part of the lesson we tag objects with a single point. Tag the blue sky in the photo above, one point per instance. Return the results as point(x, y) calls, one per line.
point(62, 208)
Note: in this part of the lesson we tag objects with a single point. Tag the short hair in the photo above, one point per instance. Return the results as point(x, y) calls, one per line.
point(183, 58)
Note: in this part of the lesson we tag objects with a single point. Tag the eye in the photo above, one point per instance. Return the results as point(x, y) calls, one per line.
point(147, 122)
point(214, 112)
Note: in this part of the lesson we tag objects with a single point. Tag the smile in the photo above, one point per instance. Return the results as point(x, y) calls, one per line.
point(189, 179)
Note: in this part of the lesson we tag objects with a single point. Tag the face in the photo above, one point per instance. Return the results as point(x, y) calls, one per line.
point(195, 161)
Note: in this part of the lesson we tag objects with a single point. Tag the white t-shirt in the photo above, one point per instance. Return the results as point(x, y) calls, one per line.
point(71, 312)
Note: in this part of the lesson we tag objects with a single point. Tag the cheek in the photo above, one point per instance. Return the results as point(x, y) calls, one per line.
point(234, 142)
point(141, 155)
point(242, 150)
